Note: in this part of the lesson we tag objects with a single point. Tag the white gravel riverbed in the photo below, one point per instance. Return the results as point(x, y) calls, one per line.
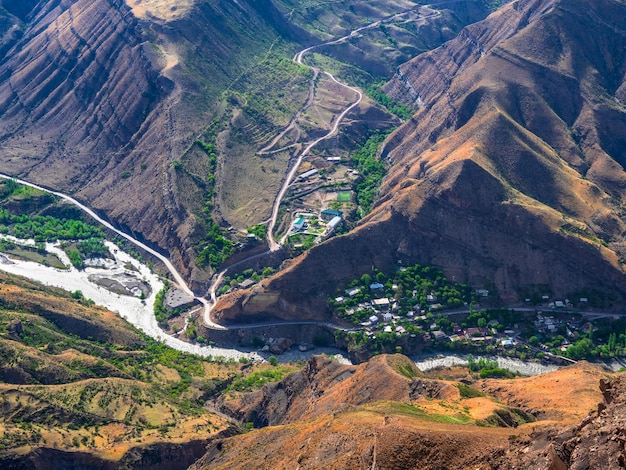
point(425, 363)
point(141, 313)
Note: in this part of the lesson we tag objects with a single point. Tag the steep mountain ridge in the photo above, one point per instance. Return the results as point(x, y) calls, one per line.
point(509, 176)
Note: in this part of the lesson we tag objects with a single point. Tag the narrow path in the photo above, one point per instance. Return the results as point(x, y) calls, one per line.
point(298, 58)
point(208, 305)
point(274, 245)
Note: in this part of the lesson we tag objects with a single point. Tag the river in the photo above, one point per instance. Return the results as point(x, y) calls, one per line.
point(429, 362)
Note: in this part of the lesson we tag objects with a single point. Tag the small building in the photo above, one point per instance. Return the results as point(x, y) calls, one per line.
point(439, 335)
point(334, 222)
point(339, 300)
point(472, 332)
point(353, 291)
point(507, 343)
point(308, 174)
point(381, 303)
point(246, 283)
point(559, 304)
point(376, 286)
point(431, 298)
point(298, 225)
point(387, 317)
point(388, 329)
point(482, 292)
point(330, 214)
point(373, 319)
point(333, 159)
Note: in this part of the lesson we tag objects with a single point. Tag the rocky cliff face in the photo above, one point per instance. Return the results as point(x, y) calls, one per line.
point(596, 443)
point(385, 414)
point(509, 176)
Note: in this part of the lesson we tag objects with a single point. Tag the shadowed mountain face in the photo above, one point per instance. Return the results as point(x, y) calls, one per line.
point(511, 173)
point(534, 122)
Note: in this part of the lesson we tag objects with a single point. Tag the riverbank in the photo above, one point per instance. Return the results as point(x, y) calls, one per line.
point(139, 312)
point(433, 361)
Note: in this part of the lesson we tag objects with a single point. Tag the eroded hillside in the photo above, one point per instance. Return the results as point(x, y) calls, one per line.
point(386, 414)
point(113, 104)
point(154, 111)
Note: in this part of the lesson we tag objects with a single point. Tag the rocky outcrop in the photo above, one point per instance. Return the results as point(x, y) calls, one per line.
point(598, 442)
point(324, 386)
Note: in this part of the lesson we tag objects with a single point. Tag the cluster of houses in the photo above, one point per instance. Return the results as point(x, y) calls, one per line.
point(550, 325)
point(485, 334)
point(384, 317)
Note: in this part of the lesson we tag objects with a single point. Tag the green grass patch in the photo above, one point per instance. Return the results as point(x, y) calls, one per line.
point(257, 379)
point(469, 392)
point(344, 196)
point(407, 370)
point(414, 411)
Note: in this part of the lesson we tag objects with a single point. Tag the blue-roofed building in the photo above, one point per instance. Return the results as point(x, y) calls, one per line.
point(330, 214)
point(298, 225)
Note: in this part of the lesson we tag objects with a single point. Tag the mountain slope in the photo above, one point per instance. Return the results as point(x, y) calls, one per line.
point(80, 388)
point(385, 414)
point(102, 103)
point(597, 442)
point(532, 110)
point(510, 175)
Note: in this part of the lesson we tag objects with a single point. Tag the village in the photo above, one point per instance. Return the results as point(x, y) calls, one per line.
point(386, 315)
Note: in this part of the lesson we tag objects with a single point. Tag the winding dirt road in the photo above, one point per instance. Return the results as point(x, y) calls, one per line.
point(208, 305)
